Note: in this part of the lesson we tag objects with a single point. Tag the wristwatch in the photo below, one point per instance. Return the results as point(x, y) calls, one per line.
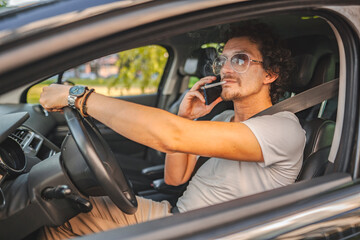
point(74, 93)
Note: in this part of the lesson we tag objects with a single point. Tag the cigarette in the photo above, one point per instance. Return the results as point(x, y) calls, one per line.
point(213, 85)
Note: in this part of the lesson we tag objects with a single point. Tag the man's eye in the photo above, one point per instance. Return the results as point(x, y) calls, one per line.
point(238, 61)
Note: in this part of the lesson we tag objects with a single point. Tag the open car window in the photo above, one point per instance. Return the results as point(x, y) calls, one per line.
point(132, 72)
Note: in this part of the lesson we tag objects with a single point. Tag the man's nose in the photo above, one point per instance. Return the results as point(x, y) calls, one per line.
point(226, 68)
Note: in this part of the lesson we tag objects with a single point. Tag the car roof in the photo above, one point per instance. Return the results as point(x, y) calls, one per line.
point(38, 12)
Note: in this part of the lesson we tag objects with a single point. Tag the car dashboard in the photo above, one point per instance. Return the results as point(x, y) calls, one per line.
point(33, 144)
point(23, 149)
point(29, 163)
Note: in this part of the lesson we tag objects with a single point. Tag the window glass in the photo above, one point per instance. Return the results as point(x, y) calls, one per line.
point(192, 81)
point(34, 92)
point(132, 72)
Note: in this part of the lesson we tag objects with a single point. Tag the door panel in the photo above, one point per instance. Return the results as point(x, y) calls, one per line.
point(120, 144)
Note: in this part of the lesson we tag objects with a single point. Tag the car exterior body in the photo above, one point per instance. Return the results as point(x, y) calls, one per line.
point(46, 39)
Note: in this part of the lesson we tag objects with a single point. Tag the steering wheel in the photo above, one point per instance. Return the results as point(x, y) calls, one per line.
point(101, 161)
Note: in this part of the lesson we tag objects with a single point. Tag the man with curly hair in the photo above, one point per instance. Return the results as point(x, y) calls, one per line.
point(248, 154)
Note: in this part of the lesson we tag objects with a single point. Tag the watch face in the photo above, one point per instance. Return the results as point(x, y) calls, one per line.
point(77, 90)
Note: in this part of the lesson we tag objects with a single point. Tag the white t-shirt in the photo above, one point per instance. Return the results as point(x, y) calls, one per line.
point(282, 141)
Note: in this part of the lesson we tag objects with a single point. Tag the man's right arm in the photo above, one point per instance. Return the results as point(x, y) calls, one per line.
point(179, 166)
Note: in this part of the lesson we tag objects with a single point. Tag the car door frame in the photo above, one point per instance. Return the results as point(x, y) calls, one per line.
point(347, 152)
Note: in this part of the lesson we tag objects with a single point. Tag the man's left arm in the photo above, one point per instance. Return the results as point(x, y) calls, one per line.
point(162, 130)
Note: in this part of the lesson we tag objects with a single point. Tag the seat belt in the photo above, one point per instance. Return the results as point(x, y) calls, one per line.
point(295, 104)
point(305, 99)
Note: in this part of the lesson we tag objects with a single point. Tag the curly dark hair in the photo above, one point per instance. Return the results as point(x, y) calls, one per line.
point(276, 58)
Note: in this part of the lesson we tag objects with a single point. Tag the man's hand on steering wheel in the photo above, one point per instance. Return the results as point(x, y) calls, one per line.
point(93, 148)
point(53, 98)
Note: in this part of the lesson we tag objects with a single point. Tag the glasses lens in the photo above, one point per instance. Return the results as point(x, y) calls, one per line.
point(218, 63)
point(240, 62)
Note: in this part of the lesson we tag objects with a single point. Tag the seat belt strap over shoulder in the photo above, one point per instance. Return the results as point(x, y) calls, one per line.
point(306, 99)
point(297, 103)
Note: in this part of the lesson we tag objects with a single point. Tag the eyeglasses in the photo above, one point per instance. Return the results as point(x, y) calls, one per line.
point(239, 62)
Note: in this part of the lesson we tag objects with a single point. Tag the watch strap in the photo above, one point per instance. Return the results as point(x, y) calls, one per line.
point(71, 101)
point(83, 107)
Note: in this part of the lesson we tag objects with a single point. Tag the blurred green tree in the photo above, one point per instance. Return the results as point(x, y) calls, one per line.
point(142, 67)
point(3, 3)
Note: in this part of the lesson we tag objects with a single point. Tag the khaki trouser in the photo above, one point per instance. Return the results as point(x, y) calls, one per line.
point(106, 215)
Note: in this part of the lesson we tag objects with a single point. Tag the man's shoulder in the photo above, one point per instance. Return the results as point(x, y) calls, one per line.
point(281, 138)
point(280, 116)
point(227, 114)
point(277, 122)
point(286, 114)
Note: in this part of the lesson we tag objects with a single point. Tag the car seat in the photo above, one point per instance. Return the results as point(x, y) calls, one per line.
point(316, 64)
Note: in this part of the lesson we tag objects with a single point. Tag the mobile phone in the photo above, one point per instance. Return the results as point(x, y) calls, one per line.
point(212, 93)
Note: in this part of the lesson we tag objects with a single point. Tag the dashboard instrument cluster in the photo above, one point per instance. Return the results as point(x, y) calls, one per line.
point(22, 149)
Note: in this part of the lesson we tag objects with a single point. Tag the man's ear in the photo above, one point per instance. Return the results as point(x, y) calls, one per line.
point(270, 77)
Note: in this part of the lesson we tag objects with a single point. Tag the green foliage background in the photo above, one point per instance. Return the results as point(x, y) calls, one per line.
point(142, 67)
point(139, 68)
point(3, 3)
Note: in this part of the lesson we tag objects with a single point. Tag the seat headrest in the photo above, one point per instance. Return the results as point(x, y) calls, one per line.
point(199, 64)
point(308, 52)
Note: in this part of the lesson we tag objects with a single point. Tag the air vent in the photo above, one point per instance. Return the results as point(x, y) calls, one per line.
point(20, 136)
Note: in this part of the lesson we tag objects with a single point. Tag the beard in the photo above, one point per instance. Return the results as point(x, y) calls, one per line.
point(229, 93)
point(230, 96)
